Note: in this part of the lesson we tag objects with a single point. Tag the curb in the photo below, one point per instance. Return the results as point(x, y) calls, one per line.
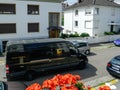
point(109, 83)
point(100, 81)
point(101, 47)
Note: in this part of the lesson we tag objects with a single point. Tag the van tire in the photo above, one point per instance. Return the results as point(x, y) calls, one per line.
point(29, 75)
point(82, 65)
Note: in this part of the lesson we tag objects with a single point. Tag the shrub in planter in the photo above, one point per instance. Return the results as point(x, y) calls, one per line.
point(84, 35)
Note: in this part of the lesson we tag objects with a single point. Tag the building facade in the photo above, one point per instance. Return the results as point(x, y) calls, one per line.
point(24, 19)
point(93, 17)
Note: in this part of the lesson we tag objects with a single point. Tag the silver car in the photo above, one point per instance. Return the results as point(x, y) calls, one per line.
point(82, 46)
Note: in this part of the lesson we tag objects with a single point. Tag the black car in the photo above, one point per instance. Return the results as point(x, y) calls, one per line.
point(113, 66)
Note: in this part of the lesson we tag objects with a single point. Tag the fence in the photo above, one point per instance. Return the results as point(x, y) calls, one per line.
point(92, 40)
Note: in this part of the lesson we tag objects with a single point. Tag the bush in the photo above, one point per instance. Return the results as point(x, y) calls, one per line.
point(74, 35)
point(64, 35)
point(84, 35)
point(109, 33)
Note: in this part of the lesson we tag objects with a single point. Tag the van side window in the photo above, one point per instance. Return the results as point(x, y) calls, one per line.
point(64, 49)
point(81, 45)
point(38, 50)
point(15, 48)
point(72, 49)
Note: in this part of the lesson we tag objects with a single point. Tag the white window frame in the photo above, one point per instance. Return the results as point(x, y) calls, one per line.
point(113, 11)
point(96, 11)
point(76, 12)
point(76, 23)
point(88, 24)
point(88, 11)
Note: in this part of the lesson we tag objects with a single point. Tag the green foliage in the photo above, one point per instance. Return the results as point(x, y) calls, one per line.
point(109, 33)
point(64, 35)
point(74, 35)
point(79, 86)
point(62, 21)
point(84, 35)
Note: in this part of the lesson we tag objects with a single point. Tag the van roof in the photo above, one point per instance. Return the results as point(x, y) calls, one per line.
point(27, 41)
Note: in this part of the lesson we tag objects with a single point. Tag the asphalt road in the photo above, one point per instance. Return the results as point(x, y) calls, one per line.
point(95, 69)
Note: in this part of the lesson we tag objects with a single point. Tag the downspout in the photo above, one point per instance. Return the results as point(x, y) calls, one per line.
point(72, 19)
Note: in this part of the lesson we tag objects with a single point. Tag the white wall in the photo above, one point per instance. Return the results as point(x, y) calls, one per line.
point(21, 18)
point(93, 40)
point(68, 24)
point(105, 16)
point(69, 16)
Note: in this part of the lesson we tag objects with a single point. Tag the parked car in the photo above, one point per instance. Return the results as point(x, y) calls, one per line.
point(82, 46)
point(113, 66)
point(28, 57)
point(3, 85)
point(116, 42)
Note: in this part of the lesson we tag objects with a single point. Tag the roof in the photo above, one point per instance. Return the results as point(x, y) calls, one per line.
point(30, 41)
point(55, 28)
point(94, 2)
point(56, 1)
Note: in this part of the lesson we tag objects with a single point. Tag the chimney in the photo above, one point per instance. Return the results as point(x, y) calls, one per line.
point(94, 1)
point(79, 1)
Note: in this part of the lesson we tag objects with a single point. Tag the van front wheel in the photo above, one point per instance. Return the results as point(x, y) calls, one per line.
point(29, 76)
point(82, 65)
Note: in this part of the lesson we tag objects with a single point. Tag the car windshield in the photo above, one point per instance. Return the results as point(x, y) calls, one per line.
point(74, 42)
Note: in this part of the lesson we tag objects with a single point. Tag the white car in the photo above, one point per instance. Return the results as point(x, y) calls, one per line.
point(82, 46)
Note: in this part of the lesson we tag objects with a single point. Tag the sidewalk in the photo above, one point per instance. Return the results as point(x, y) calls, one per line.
point(109, 80)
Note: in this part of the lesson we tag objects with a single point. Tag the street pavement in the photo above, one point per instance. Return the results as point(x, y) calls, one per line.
point(15, 85)
point(117, 85)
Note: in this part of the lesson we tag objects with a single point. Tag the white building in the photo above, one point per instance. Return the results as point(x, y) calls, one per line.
point(24, 19)
point(93, 17)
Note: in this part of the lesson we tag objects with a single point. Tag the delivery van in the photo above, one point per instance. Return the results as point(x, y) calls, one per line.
point(28, 57)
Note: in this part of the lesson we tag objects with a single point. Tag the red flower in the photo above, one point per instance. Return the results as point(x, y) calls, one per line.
point(65, 82)
point(71, 87)
point(104, 88)
point(34, 86)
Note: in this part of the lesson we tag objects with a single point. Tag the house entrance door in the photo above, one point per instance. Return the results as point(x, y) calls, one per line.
point(54, 21)
point(54, 33)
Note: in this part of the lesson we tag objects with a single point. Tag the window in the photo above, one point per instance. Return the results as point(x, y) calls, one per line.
point(33, 9)
point(96, 11)
point(33, 27)
point(54, 19)
point(46, 50)
point(113, 11)
point(7, 28)
point(7, 9)
point(82, 45)
point(88, 24)
point(76, 23)
point(16, 48)
point(88, 11)
point(76, 12)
